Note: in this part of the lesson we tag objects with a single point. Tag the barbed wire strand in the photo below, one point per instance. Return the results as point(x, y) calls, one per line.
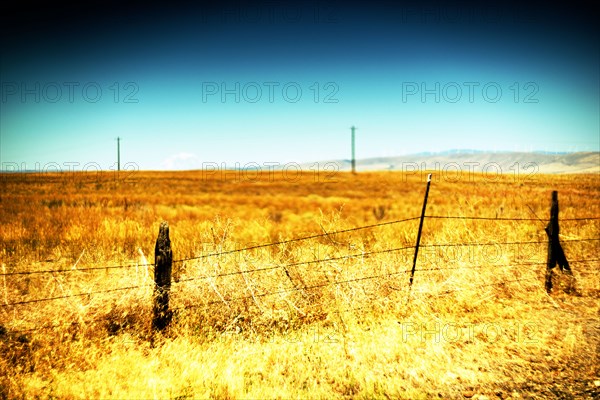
point(502, 243)
point(506, 218)
point(75, 295)
point(349, 281)
point(50, 271)
point(517, 264)
point(123, 266)
point(370, 277)
point(368, 254)
point(214, 254)
point(356, 255)
point(295, 240)
point(481, 286)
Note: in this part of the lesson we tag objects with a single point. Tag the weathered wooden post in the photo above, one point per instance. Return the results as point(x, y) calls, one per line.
point(163, 260)
point(556, 255)
point(412, 272)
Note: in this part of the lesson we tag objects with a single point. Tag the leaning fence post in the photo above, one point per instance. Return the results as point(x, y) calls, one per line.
point(163, 259)
point(412, 272)
point(556, 255)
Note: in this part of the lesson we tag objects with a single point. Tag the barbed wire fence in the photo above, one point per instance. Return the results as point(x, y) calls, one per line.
point(283, 266)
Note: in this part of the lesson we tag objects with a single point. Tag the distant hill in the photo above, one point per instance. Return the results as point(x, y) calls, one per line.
point(505, 162)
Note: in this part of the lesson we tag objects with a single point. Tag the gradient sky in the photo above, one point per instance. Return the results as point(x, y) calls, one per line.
point(161, 73)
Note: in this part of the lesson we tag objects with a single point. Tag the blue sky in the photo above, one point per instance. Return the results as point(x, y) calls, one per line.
point(275, 82)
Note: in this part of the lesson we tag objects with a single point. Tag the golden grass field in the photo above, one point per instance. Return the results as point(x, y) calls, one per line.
point(476, 324)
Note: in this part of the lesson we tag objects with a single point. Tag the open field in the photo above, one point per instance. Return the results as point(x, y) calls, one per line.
point(476, 324)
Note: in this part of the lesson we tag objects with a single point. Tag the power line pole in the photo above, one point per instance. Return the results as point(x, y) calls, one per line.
point(353, 153)
point(118, 154)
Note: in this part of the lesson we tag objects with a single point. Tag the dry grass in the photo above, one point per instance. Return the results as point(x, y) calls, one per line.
point(478, 323)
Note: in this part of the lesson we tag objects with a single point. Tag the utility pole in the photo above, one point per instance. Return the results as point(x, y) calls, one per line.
point(118, 154)
point(353, 154)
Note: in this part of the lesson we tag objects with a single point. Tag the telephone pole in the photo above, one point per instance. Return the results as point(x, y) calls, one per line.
point(353, 154)
point(118, 154)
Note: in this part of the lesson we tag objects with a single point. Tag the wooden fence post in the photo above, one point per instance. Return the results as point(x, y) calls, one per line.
point(412, 272)
point(163, 260)
point(556, 255)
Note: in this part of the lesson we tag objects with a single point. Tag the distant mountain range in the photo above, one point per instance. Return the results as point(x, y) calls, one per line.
point(449, 160)
point(474, 160)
